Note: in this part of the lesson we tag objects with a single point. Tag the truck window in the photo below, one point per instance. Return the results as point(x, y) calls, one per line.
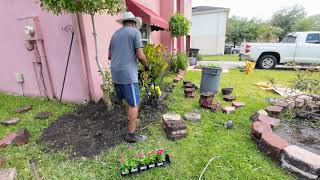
point(313, 38)
point(289, 39)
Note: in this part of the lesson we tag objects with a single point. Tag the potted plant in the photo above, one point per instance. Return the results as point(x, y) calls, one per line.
point(151, 159)
point(161, 157)
point(141, 162)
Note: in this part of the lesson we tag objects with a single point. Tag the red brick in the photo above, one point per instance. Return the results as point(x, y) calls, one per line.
point(24, 109)
point(8, 174)
point(258, 128)
point(272, 145)
point(302, 159)
point(283, 104)
point(6, 141)
point(274, 111)
point(22, 137)
point(238, 104)
point(229, 109)
point(229, 98)
point(10, 121)
point(299, 102)
point(268, 120)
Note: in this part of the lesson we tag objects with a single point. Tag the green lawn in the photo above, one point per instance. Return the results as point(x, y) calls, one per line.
point(226, 57)
point(239, 156)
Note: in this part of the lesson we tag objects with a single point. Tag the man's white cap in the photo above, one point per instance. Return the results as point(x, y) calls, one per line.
point(128, 16)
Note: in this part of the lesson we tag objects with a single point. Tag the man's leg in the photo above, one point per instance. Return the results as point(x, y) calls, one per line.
point(132, 96)
point(132, 116)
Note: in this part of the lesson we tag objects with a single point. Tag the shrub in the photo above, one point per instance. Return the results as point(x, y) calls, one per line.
point(180, 61)
point(179, 25)
point(156, 56)
point(307, 81)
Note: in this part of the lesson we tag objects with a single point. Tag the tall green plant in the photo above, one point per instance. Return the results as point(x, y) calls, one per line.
point(179, 25)
point(91, 7)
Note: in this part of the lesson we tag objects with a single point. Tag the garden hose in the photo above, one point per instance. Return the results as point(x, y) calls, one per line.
point(208, 165)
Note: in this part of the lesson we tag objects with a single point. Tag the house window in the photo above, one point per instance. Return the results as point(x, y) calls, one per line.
point(146, 34)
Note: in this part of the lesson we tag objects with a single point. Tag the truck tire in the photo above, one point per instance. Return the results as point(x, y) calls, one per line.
point(267, 62)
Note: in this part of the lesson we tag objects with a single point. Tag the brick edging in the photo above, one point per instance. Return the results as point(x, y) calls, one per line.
point(276, 147)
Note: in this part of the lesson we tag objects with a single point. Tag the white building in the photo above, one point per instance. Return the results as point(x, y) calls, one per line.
point(208, 30)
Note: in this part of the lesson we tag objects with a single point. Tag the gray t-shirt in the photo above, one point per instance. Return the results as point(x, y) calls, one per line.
point(124, 64)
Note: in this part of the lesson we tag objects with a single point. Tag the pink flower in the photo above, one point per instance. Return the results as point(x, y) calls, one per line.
point(160, 151)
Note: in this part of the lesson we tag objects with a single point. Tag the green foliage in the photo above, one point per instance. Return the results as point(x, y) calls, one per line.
point(83, 6)
point(286, 18)
point(240, 29)
point(179, 25)
point(311, 23)
point(180, 61)
point(157, 56)
point(307, 81)
point(268, 33)
point(142, 159)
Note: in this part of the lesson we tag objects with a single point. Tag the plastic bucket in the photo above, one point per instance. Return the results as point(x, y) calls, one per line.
point(210, 79)
point(192, 61)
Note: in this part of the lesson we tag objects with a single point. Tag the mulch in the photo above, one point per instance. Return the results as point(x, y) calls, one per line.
point(91, 128)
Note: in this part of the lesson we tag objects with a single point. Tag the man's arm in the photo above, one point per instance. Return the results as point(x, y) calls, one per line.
point(141, 57)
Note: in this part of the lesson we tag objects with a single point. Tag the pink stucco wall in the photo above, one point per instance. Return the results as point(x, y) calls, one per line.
point(14, 58)
point(83, 80)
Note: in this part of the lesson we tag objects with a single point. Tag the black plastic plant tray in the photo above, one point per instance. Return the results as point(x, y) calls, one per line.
point(140, 169)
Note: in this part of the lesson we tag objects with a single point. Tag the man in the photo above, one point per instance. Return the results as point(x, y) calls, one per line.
point(125, 47)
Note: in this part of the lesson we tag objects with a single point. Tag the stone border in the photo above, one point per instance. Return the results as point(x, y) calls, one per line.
point(293, 158)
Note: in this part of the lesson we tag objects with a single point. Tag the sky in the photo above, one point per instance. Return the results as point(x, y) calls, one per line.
point(261, 9)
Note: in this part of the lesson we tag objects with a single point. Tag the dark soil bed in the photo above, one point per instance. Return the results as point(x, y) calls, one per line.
point(301, 134)
point(91, 128)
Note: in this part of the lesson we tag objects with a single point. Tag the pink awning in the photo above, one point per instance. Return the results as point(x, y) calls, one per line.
point(148, 16)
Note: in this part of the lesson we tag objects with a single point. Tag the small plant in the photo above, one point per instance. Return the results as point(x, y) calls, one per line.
point(180, 61)
point(141, 161)
point(179, 25)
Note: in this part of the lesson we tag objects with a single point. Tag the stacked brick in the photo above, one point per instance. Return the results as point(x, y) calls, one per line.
point(174, 126)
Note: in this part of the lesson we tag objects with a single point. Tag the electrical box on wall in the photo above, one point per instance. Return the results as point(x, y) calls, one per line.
point(19, 78)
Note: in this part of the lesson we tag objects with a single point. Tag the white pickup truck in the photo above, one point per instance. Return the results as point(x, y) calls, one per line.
point(299, 47)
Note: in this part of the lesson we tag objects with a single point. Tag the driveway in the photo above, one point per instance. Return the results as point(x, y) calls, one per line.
point(236, 64)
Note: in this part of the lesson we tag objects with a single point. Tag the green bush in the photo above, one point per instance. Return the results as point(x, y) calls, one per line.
point(180, 61)
point(179, 25)
point(157, 59)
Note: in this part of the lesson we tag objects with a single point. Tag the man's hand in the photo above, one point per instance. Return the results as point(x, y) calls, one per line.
point(141, 57)
point(147, 68)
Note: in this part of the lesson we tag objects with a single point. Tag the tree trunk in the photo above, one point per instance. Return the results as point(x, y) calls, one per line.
point(94, 33)
point(106, 86)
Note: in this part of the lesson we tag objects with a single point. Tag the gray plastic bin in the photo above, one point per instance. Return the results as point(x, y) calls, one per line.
point(210, 79)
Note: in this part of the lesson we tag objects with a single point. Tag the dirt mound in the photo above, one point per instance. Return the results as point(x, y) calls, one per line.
point(301, 135)
point(91, 128)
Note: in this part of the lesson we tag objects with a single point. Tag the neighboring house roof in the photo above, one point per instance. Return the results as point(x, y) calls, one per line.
point(200, 9)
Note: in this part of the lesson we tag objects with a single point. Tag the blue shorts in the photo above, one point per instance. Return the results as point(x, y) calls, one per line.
point(129, 92)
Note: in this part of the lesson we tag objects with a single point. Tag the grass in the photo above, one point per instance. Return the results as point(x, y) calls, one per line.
point(239, 155)
point(226, 57)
